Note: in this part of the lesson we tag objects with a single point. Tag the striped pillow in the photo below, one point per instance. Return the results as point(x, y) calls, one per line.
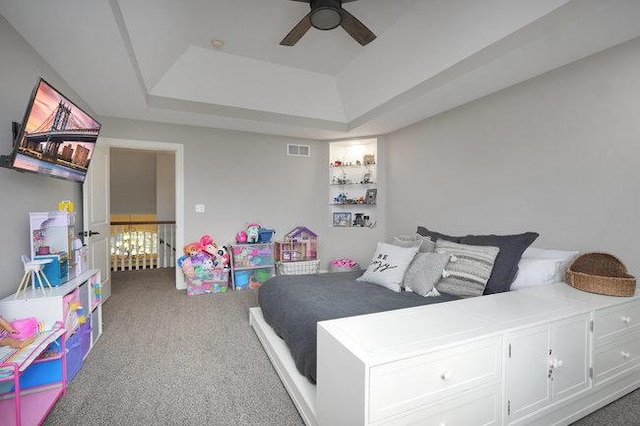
point(468, 270)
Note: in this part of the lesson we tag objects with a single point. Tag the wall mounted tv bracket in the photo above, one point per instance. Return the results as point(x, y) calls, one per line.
point(7, 160)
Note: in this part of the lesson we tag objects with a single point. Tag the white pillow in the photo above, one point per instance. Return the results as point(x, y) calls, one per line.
point(562, 256)
point(535, 272)
point(388, 266)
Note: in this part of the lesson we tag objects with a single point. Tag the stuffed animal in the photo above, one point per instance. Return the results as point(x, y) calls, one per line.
point(187, 267)
point(191, 249)
point(241, 237)
point(207, 245)
point(223, 258)
point(253, 232)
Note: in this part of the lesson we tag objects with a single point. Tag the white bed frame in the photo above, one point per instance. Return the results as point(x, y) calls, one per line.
point(545, 356)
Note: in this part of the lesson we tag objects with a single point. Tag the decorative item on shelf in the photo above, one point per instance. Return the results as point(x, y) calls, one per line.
point(342, 180)
point(369, 159)
point(366, 178)
point(600, 273)
point(341, 219)
point(371, 195)
point(359, 220)
point(66, 206)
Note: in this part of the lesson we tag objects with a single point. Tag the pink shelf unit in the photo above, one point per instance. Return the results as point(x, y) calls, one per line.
point(18, 408)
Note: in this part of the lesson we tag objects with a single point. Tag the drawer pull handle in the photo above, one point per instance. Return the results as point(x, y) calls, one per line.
point(555, 363)
point(625, 355)
point(626, 320)
point(446, 375)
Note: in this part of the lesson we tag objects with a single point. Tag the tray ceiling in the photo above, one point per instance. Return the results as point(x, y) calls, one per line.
point(153, 59)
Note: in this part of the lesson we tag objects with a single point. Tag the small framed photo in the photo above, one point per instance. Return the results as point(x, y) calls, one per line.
point(341, 219)
point(370, 196)
point(366, 177)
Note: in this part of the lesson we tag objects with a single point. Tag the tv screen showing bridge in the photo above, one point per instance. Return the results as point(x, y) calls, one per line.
point(58, 137)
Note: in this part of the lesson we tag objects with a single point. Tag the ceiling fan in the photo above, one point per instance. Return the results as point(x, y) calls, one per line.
point(327, 15)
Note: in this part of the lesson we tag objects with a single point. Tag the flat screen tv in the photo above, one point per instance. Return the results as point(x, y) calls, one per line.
point(57, 138)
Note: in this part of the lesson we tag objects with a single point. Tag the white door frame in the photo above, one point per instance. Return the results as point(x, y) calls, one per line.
point(178, 150)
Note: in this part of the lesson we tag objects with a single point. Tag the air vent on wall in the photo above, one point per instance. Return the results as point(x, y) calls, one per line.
point(298, 150)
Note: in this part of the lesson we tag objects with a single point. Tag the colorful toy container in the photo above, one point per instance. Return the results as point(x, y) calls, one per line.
point(216, 281)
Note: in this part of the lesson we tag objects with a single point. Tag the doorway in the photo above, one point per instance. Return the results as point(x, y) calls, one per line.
point(122, 146)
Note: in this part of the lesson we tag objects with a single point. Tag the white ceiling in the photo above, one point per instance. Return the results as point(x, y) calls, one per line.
point(153, 59)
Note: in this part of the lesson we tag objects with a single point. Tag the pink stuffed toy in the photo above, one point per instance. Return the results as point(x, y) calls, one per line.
point(208, 246)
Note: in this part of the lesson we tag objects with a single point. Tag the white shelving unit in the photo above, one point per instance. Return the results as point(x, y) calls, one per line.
point(353, 183)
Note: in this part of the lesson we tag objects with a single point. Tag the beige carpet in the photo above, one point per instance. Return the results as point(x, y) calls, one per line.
point(168, 359)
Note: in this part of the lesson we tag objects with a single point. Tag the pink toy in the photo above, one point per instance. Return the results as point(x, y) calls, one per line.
point(241, 237)
point(207, 245)
point(187, 268)
point(253, 232)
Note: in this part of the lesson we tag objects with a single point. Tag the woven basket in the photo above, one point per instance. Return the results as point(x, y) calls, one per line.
point(305, 267)
point(600, 273)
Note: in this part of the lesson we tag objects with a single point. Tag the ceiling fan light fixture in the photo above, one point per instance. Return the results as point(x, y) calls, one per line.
point(325, 14)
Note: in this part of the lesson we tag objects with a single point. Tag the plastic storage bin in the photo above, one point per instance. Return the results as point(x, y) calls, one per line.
point(252, 255)
point(252, 278)
point(216, 281)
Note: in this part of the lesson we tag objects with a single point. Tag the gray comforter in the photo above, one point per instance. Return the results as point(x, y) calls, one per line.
point(293, 304)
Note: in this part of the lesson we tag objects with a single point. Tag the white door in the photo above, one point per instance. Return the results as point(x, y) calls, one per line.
point(570, 344)
point(96, 215)
point(527, 371)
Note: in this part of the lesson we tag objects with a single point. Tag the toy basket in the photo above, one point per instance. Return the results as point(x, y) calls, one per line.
point(306, 267)
point(600, 273)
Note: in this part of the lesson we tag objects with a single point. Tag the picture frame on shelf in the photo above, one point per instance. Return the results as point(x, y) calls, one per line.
point(370, 196)
point(366, 177)
point(341, 219)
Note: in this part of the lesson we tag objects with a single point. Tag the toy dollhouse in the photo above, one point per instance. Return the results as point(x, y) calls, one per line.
point(299, 244)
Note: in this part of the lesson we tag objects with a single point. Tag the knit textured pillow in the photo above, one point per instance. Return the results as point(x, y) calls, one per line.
point(425, 271)
point(469, 269)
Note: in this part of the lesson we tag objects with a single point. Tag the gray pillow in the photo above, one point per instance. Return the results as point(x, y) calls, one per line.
point(425, 244)
point(425, 271)
point(506, 263)
point(468, 272)
point(435, 236)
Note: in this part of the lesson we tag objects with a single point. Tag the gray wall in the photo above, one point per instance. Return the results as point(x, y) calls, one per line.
point(133, 181)
point(165, 186)
point(243, 177)
point(557, 154)
point(21, 193)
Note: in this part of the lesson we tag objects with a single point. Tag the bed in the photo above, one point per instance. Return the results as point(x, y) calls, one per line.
point(292, 305)
point(353, 353)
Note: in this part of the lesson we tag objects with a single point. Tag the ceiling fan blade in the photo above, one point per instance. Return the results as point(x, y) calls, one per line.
point(298, 31)
point(356, 29)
